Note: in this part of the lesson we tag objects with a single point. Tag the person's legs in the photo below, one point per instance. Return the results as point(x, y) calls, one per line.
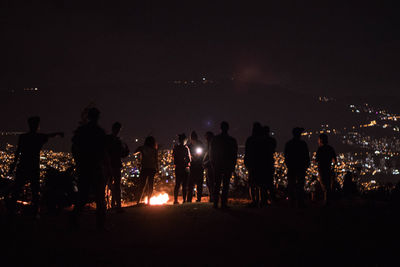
point(301, 177)
point(116, 188)
point(191, 182)
point(185, 178)
point(150, 183)
point(225, 188)
point(264, 194)
point(141, 185)
point(210, 182)
point(291, 187)
point(16, 189)
point(84, 185)
point(217, 188)
point(199, 183)
point(269, 187)
point(100, 198)
point(35, 188)
point(178, 182)
point(253, 188)
point(326, 183)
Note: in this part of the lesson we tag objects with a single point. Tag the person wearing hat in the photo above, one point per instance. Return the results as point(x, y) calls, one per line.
point(297, 159)
point(182, 159)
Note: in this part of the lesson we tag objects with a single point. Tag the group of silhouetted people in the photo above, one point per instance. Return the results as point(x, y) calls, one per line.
point(297, 160)
point(217, 158)
point(98, 159)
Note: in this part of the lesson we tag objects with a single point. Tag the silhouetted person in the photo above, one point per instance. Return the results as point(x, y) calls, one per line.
point(27, 156)
point(196, 176)
point(182, 161)
point(223, 159)
point(325, 157)
point(116, 150)
point(259, 160)
point(89, 145)
point(148, 168)
point(210, 177)
point(251, 157)
point(267, 184)
point(297, 159)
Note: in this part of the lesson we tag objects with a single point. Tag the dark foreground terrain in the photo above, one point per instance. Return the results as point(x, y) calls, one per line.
point(197, 235)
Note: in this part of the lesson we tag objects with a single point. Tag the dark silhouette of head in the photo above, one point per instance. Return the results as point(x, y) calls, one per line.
point(194, 136)
point(297, 131)
point(116, 128)
point(150, 141)
point(224, 127)
point(209, 136)
point(182, 138)
point(323, 139)
point(93, 115)
point(34, 123)
point(266, 130)
point(257, 129)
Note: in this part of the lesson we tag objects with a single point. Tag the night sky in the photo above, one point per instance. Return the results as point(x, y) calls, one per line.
point(123, 56)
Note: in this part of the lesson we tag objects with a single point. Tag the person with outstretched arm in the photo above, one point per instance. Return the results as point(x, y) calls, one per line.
point(27, 164)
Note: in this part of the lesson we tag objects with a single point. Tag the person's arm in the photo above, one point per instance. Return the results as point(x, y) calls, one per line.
point(189, 156)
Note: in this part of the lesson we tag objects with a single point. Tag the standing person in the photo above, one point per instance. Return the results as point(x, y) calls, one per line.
point(27, 156)
point(223, 159)
point(253, 153)
point(89, 152)
point(326, 156)
point(182, 161)
point(210, 179)
point(196, 176)
point(148, 167)
point(267, 185)
point(297, 159)
point(116, 150)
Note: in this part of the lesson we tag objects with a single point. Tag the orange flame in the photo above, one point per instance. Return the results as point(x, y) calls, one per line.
point(158, 200)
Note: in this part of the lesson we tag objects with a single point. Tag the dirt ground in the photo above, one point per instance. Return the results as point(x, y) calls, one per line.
point(195, 234)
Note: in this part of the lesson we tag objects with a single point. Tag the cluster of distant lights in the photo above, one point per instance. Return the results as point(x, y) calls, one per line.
point(203, 80)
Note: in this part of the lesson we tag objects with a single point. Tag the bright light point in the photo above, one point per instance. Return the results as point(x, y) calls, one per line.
point(204, 79)
point(136, 140)
point(199, 150)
